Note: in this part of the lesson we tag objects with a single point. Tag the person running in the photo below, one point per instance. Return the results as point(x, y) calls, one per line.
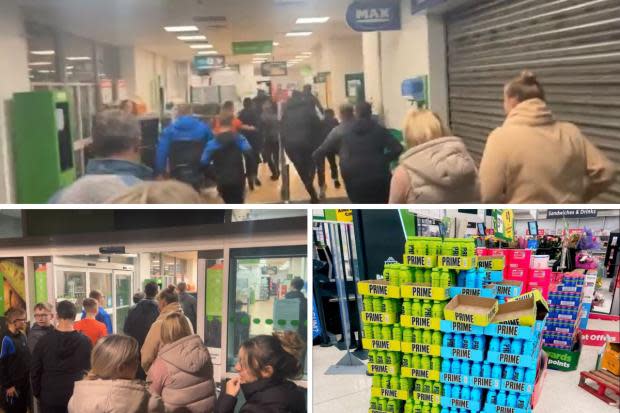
point(188, 303)
point(312, 100)
point(43, 317)
point(332, 143)
point(182, 374)
point(102, 314)
point(266, 366)
point(328, 124)
point(89, 326)
point(535, 159)
point(301, 131)
point(140, 319)
point(109, 386)
point(437, 169)
point(270, 128)
point(14, 364)
point(168, 302)
point(60, 358)
point(227, 151)
point(249, 116)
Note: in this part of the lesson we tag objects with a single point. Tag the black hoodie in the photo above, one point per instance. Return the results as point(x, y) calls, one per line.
point(59, 360)
point(301, 127)
point(266, 396)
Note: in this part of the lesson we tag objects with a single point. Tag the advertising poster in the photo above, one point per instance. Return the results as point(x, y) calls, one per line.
point(13, 284)
point(503, 224)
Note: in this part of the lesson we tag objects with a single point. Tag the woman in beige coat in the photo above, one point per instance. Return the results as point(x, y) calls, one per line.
point(437, 168)
point(534, 159)
point(110, 387)
point(182, 374)
point(168, 302)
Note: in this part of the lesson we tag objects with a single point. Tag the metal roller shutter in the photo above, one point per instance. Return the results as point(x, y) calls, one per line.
point(573, 46)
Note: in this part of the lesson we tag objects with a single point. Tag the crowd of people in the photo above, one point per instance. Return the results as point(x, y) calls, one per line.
point(157, 364)
point(223, 151)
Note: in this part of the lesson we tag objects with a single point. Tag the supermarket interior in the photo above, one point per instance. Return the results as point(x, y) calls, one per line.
point(458, 311)
point(239, 265)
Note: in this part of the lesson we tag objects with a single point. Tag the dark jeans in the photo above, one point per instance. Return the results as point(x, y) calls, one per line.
point(333, 166)
point(301, 157)
point(256, 142)
point(368, 191)
point(17, 404)
point(232, 193)
point(271, 154)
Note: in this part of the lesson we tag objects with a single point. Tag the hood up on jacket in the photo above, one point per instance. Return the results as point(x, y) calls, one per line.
point(442, 170)
point(531, 112)
point(112, 396)
point(188, 354)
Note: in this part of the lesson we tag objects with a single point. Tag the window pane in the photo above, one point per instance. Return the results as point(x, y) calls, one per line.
point(213, 304)
point(102, 282)
point(123, 290)
point(10, 223)
point(72, 286)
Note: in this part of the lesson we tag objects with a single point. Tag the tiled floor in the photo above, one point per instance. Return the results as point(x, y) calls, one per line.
point(351, 393)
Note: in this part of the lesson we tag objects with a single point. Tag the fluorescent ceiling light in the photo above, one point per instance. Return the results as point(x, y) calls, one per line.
point(43, 52)
point(39, 64)
point(45, 71)
point(78, 58)
point(311, 20)
point(276, 43)
point(207, 52)
point(69, 67)
point(201, 46)
point(192, 37)
point(262, 54)
point(301, 57)
point(298, 34)
point(307, 53)
point(175, 29)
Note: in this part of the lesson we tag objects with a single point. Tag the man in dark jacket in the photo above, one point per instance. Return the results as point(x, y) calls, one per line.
point(14, 364)
point(366, 150)
point(59, 360)
point(249, 116)
point(188, 303)
point(328, 124)
point(270, 129)
point(301, 133)
point(43, 317)
point(297, 284)
point(227, 151)
point(140, 318)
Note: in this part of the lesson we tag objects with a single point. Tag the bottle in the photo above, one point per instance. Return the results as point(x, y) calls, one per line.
point(380, 357)
point(475, 394)
point(408, 406)
point(385, 381)
point(516, 346)
point(458, 341)
point(416, 362)
point(447, 390)
point(501, 300)
point(376, 381)
point(367, 303)
point(367, 330)
point(427, 387)
point(386, 332)
point(436, 310)
point(397, 333)
point(435, 408)
point(436, 363)
point(374, 402)
point(504, 345)
point(466, 341)
point(389, 357)
point(465, 393)
point(476, 343)
point(425, 363)
point(376, 332)
point(456, 392)
point(501, 398)
point(530, 376)
point(419, 275)
point(476, 369)
point(394, 383)
point(436, 388)
point(508, 373)
point(416, 308)
point(417, 407)
point(528, 348)
point(408, 335)
point(435, 278)
point(444, 278)
point(523, 401)
point(492, 397)
point(376, 304)
point(427, 309)
point(465, 368)
point(426, 408)
point(404, 275)
point(461, 279)
point(395, 277)
point(391, 406)
point(436, 338)
point(486, 369)
point(451, 340)
point(456, 367)
point(407, 306)
point(417, 385)
point(511, 400)
point(383, 404)
point(519, 374)
point(494, 344)
point(427, 276)
point(384, 305)
point(480, 276)
point(427, 337)
point(417, 336)
point(445, 410)
point(470, 279)
point(445, 365)
point(446, 339)
point(372, 354)
point(496, 371)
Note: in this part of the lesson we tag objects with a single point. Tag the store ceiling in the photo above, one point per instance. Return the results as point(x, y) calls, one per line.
point(141, 22)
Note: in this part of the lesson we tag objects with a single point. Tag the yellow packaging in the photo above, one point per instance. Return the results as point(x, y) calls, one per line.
point(387, 345)
point(522, 312)
point(611, 358)
point(426, 397)
point(471, 309)
point(423, 261)
point(542, 308)
point(388, 393)
point(419, 373)
point(425, 323)
point(424, 292)
point(493, 263)
point(457, 263)
point(378, 288)
point(419, 348)
point(391, 369)
point(378, 318)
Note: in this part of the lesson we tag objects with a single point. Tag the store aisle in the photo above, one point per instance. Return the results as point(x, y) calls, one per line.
point(351, 393)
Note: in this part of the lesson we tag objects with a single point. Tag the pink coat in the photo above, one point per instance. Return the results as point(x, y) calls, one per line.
point(182, 375)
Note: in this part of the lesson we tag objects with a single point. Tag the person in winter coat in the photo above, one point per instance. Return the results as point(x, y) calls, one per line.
point(109, 386)
point(168, 302)
point(43, 317)
point(182, 374)
point(60, 358)
point(328, 124)
point(535, 159)
point(188, 303)
point(270, 128)
point(266, 364)
point(185, 130)
point(301, 132)
point(14, 364)
point(102, 315)
point(332, 143)
point(227, 151)
point(249, 116)
point(437, 168)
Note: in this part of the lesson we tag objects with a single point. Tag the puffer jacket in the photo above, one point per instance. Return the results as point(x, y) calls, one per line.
point(152, 342)
point(266, 396)
point(435, 172)
point(534, 159)
point(113, 396)
point(183, 375)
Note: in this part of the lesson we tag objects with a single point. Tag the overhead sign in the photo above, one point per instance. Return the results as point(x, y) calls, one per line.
point(209, 62)
point(572, 213)
point(252, 47)
point(419, 5)
point(374, 15)
point(321, 77)
point(503, 224)
point(274, 69)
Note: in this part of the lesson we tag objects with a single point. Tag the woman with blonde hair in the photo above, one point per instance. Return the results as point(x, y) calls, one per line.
point(535, 159)
point(437, 168)
point(182, 374)
point(109, 387)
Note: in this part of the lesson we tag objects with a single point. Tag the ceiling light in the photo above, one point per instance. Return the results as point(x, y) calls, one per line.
point(193, 37)
point(307, 53)
point(207, 52)
point(276, 43)
point(39, 64)
point(78, 58)
point(69, 67)
point(43, 52)
point(298, 34)
point(301, 57)
point(44, 71)
point(181, 29)
point(201, 46)
point(262, 54)
point(311, 20)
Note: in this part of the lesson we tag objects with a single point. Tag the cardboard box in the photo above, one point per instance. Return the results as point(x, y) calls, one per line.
point(424, 291)
point(386, 345)
point(420, 374)
point(611, 358)
point(378, 288)
point(473, 405)
point(456, 263)
point(492, 263)
point(508, 288)
point(517, 274)
point(420, 261)
point(540, 378)
point(542, 308)
point(478, 292)
point(564, 360)
point(520, 332)
point(522, 312)
point(425, 323)
point(519, 258)
point(448, 326)
point(378, 318)
point(462, 354)
point(470, 309)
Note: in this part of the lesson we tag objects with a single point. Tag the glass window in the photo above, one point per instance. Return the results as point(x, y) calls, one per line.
point(261, 296)
point(123, 298)
point(10, 223)
point(41, 53)
point(214, 279)
point(71, 285)
point(102, 281)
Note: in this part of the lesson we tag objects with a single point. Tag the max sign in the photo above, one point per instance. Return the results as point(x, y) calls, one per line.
point(374, 15)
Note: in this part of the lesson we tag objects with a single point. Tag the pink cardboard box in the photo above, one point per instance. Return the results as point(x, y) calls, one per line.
point(540, 280)
point(520, 258)
point(482, 251)
point(517, 274)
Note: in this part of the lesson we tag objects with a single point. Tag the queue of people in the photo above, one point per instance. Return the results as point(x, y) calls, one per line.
point(77, 367)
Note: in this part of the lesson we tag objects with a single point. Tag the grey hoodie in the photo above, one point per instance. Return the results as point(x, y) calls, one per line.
point(438, 171)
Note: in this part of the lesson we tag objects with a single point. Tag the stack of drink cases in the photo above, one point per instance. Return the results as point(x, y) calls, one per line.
point(427, 355)
point(564, 312)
